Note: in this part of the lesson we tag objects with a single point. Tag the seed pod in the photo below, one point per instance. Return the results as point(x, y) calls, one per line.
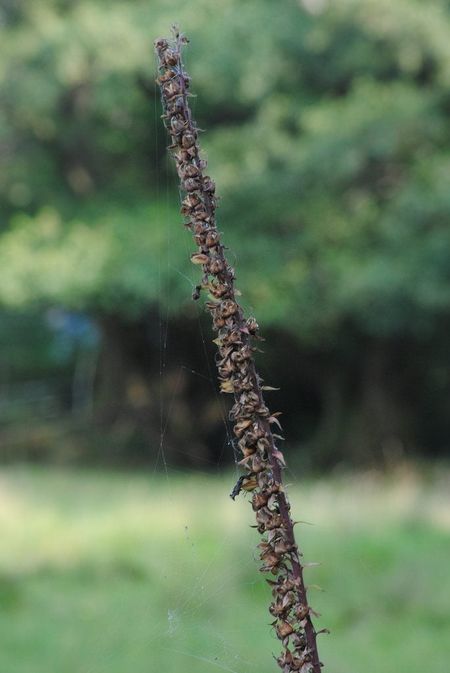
point(200, 213)
point(166, 76)
point(252, 325)
point(181, 156)
point(228, 307)
point(200, 227)
point(268, 556)
point(259, 500)
point(209, 185)
point(188, 140)
point(281, 547)
point(301, 611)
point(191, 201)
point(177, 124)
point(171, 89)
point(299, 640)
point(190, 185)
point(285, 659)
point(274, 522)
point(200, 239)
point(212, 238)
point(233, 337)
point(284, 629)
point(257, 463)
point(216, 267)
point(248, 451)
point(241, 426)
point(276, 609)
point(190, 171)
point(225, 372)
point(199, 258)
point(218, 289)
point(161, 44)
point(169, 57)
point(227, 386)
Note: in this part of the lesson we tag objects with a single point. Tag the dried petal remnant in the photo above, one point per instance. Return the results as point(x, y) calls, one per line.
point(261, 459)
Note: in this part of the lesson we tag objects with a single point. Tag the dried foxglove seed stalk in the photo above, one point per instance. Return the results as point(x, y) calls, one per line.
point(262, 460)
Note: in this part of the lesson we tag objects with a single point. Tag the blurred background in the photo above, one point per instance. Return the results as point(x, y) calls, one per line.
point(327, 132)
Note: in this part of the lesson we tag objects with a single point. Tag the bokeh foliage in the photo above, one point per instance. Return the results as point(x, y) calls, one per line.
point(327, 135)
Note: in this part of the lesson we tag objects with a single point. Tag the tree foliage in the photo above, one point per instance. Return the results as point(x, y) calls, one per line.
point(327, 135)
point(326, 132)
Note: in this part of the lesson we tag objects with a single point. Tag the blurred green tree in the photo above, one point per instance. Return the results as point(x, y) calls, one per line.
point(328, 138)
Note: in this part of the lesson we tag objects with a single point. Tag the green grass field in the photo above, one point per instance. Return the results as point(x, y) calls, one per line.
point(109, 573)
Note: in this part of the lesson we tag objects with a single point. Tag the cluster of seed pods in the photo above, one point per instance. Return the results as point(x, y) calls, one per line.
point(261, 461)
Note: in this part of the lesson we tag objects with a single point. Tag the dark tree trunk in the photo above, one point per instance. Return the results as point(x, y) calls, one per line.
point(364, 416)
point(153, 397)
point(114, 368)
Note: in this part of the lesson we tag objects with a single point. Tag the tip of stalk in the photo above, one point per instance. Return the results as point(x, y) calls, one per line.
point(178, 35)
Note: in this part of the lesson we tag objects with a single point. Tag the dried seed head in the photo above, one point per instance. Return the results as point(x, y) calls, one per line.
point(237, 373)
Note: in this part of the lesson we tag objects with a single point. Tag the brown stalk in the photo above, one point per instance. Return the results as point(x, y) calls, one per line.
point(262, 461)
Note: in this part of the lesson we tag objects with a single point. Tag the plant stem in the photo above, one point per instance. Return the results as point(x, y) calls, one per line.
point(262, 461)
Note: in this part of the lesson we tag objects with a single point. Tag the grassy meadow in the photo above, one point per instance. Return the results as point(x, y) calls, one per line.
point(139, 573)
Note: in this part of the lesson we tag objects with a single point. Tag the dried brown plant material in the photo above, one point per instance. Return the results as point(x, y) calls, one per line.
point(262, 461)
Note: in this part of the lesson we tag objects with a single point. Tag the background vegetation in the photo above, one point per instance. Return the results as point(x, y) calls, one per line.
point(328, 136)
point(121, 573)
point(327, 133)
